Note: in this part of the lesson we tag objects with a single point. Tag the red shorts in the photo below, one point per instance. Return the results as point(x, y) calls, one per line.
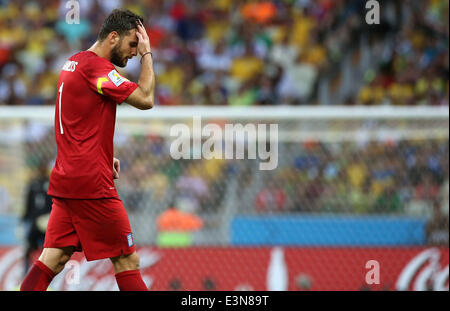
point(100, 228)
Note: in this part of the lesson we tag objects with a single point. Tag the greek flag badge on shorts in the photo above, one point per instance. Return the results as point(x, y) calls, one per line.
point(130, 239)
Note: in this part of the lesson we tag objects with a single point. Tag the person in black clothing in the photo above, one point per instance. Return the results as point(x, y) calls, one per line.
point(38, 207)
point(437, 227)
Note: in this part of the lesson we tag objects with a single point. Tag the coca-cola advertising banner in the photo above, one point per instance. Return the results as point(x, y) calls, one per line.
point(262, 268)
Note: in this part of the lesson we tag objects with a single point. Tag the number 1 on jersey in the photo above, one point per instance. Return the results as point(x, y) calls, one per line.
point(60, 120)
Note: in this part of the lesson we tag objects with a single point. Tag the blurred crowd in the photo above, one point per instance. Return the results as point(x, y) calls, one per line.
point(232, 52)
point(404, 177)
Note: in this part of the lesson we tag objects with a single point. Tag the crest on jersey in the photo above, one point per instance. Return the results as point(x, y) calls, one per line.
point(116, 78)
point(130, 239)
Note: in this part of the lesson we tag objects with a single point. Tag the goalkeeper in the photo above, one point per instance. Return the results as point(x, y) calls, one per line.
point(87, 214)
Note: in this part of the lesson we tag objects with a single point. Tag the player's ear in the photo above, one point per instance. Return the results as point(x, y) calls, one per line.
point(113, 37)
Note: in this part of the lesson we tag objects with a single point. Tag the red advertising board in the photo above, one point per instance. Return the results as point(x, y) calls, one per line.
point(262, 268)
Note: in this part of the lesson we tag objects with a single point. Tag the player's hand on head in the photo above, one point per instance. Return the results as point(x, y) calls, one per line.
point(143, 39)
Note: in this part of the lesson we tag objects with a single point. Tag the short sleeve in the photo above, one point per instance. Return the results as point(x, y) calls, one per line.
point(104, 79)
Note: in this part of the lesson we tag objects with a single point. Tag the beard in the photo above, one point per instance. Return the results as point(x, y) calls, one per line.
point(117, 57)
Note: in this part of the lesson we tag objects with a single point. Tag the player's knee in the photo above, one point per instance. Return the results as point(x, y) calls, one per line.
point(56, 259)
point(62, 262)
point(134, 261)
point(63, 259)
point(126, 262)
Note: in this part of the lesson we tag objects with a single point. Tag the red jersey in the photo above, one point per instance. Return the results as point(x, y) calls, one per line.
point(89, 89)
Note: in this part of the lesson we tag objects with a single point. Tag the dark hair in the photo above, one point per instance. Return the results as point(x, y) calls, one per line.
point(120, 20)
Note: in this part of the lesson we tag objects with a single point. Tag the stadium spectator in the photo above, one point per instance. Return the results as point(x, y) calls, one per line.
point(259, 11)
point(388, 201)
point(298, 81)
point(271, 198)
point(175, 227)
point(246, 67)
point(192, 188)
point(215, 58)
point(437, 227)
point(135, 195)
point(362, 201)
point(13, 86)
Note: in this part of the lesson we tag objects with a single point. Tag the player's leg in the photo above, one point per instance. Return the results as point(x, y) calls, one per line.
point(105, 232)
point(50, 263)
point(125, 262)
point(127, 273)
point(61, 241)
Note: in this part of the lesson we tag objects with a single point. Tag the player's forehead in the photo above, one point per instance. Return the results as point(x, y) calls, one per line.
point(130, 36)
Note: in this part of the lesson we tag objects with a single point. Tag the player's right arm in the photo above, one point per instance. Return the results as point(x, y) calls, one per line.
point(143, 96)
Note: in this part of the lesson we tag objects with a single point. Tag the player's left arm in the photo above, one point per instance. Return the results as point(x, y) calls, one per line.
point(104, 80)
point(143, 96)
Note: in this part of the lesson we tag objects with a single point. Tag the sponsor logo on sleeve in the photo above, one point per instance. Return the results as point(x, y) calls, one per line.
point(116, 78)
